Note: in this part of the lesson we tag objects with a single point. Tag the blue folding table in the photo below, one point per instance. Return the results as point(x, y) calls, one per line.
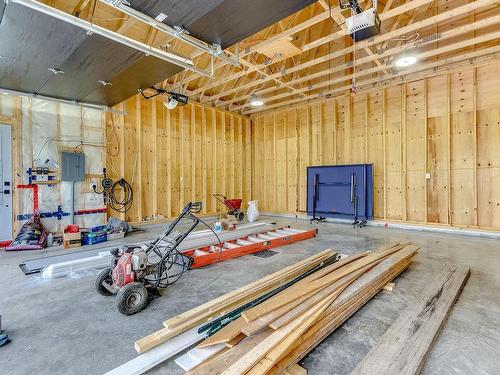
point(340, 191)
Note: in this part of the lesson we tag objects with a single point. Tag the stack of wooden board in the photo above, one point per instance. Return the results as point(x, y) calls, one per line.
point(273, 335)
point(230, 301)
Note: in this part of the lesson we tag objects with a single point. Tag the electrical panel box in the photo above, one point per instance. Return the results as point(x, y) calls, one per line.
point(72, 166)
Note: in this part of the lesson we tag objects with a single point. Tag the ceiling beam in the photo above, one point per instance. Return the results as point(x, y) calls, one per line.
point(248, 51)
point(335, 35)
point(379, 39)
point(418, 44)
point(477, 58)
point(421, 67)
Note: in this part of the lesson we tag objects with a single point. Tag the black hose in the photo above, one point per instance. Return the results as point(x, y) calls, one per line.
point(121, 205)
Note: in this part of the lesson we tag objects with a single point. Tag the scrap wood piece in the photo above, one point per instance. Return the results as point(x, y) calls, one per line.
point(295, 369)
point(353, 298)
point(219, 364)
point(195, 356)
point(297, 291)
point(389, 286)
point(307, 263)
point(226, 334)
point(286, 334)
point(405, 345)
point(235, 340)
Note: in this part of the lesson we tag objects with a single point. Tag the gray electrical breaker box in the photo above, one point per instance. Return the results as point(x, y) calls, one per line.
point(73, 166)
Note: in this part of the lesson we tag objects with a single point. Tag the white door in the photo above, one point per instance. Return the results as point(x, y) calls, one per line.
point(5, 183)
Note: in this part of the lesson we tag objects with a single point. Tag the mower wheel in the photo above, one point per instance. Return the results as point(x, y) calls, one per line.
point(132, 298)
point(104, 276)
point(240, 215)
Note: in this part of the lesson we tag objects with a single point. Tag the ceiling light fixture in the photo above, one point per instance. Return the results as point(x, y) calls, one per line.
point(171, 103)
point(256, 100)
point(405, 61)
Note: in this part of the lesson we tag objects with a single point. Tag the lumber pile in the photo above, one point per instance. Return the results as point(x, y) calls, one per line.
point(236, 299)
point(405, 345)
point(273, 335)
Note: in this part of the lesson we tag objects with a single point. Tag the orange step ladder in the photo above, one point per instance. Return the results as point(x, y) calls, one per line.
point(253, 243)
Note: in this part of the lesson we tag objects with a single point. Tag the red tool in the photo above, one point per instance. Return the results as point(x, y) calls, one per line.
point(233, 206)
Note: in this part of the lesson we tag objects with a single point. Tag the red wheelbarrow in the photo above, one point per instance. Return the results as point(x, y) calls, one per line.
point(233, 206)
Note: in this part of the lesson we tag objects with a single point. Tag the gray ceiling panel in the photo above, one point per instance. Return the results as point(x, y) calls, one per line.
point(31, 42)
point(179, 13)
point(225, 22)
point(97, 58)
point(144, 73)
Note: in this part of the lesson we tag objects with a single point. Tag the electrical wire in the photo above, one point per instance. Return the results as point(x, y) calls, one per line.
point(117, 204)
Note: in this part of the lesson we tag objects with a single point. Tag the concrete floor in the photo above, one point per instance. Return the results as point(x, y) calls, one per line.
point(62, 326)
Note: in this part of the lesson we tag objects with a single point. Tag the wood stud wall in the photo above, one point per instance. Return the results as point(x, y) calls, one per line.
point(172, 157)
point(434, 144)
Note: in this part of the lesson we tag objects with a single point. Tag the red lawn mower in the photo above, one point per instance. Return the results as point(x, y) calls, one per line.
point(136, 271)
point(233, 206)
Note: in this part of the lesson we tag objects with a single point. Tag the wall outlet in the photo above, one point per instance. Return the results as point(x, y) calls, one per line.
point(427, 176)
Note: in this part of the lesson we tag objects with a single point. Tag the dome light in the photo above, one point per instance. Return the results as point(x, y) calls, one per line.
point(256, 101)
point(405, 61)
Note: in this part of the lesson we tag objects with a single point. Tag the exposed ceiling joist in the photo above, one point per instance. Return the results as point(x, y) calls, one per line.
point(461, 10)
point(422, 56)
point(329, 38)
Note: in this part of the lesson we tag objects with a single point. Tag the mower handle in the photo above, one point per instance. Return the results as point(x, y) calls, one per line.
point(193, 207)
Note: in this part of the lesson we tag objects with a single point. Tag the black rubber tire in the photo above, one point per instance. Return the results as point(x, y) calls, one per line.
point(132, 298)
point(104, 275)
point(241, 216)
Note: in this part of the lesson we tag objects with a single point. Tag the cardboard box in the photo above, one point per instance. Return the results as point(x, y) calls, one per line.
point(229, 224)
point(71, 240)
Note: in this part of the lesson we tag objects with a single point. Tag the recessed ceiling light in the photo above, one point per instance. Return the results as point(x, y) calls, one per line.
point(404, 61)
point(256, 101)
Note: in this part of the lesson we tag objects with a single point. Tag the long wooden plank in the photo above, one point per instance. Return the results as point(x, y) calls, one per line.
point(277, 353)
point(405, 345)
point(295, 292)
